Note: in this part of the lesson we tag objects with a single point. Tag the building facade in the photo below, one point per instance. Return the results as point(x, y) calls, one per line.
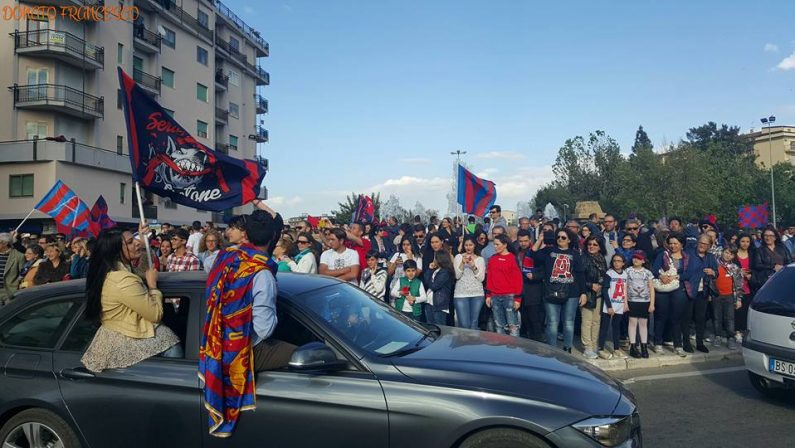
point(774, 145)
point(61, 114)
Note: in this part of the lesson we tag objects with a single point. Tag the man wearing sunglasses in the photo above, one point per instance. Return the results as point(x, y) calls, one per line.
point(642, 239)
point(495, 213)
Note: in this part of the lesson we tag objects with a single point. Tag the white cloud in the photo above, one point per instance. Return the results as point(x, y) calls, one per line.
point(787, 63)
point(771, 48)
point(510, 155)
point(487, 172)
point(412, 182)
point(281, 201)
point(416, 161)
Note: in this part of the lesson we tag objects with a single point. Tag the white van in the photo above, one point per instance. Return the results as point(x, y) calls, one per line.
point(769, 347)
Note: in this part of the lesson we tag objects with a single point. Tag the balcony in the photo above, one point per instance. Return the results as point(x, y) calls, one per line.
point(260, 134)
point(222, 148)
point(60, 45)
point(228, 51)
point(221, 116)
point(148, 82)
point(221, 80)
point(263, 77)
point(59, 98)
point(262, 104)
point(263, 49)
point(69, 152)
point(176, 14)
point(145, 40)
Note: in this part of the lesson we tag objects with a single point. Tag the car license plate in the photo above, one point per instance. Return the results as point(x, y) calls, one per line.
point(782, 367)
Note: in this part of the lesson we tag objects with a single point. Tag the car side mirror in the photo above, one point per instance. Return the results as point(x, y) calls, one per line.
point(315, 356)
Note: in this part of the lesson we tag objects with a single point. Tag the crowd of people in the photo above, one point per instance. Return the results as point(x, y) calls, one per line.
point(629, 285)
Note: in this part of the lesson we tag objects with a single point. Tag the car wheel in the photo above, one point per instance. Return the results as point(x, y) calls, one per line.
point(503, 438)
point(37, 428)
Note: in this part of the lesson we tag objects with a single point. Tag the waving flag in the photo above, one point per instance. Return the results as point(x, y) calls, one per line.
point(475, 195)
point(63, 205)
point(99, 216)
point(365, 210)
point(753, 216)
point(168, 161)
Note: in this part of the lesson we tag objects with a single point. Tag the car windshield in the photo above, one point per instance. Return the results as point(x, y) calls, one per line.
point(363, 321)
point(777, 296)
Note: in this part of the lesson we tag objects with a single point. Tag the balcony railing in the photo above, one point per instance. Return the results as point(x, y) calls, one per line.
point(227, 47)
point(260, 134)
point(263, 77)
point(180, 14)
point(251, 33)
point(221, 78)
point(221, 115)
point(148, 37)
point(262, 104)
point(59, 97)
point(147, 81)
point(60, 44)
point(70, 152)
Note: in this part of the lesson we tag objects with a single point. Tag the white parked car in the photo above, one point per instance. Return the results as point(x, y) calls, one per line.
point(769, 348)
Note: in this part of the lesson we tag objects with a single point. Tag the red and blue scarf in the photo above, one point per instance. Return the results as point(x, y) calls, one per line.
point(226, 357)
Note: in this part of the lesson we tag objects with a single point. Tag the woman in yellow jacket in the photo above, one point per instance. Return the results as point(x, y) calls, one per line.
point(128, 310)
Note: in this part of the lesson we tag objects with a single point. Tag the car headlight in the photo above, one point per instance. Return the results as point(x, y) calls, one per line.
point(620, 431)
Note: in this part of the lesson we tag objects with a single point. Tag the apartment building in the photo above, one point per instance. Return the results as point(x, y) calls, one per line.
point(61, 114)
point(774, 145)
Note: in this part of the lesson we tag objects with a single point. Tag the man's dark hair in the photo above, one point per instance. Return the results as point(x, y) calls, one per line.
point(496, 207)
point(523, 232)
point(166, 224)
point(502, 228)
point(419, 228)
point(675, 218)
point(371, 254)
point(592, 216)
point(181, 233)
point(263, 229)
point(417, 218)
point(197, 225)
point(339, 233)
point(409, 264)
point(471, 219)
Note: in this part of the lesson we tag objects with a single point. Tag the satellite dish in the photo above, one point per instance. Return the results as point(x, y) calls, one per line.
point(161, 31)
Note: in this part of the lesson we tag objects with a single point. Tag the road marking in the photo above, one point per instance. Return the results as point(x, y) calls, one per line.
point(667, 376)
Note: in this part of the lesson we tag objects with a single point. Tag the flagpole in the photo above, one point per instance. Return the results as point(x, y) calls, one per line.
point(143, 222)
point(23, 221)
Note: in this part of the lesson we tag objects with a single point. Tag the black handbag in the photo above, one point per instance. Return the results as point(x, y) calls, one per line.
point(555, 292)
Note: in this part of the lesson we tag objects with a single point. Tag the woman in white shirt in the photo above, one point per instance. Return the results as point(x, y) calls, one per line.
point(468, 296)
point(306, 261)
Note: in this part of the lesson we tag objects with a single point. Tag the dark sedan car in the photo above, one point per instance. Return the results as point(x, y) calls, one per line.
point(363, 376)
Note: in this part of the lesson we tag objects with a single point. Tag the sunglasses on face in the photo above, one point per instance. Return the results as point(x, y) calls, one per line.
point(303, 242)
point(562, 238)
point(629, 229)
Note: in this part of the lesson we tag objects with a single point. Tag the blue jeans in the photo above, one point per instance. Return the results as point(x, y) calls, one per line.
point(506, 319)
point(467, 311)
point(569, 308)
point(434, 315)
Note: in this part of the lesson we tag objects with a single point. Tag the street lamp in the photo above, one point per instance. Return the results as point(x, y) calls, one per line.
point(565, 213)
point(769, 122)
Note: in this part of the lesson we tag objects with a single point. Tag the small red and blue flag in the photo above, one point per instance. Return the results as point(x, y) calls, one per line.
point(753, 216)
point(475, 195)
point(365, 210)
point(63, 205)
point(169, 162)
point(99, 217)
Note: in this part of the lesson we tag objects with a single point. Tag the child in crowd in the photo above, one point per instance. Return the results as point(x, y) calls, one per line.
point(640, 299)
point(729, 284)
point(614, 302)
point(374, 277)
point(408, 292)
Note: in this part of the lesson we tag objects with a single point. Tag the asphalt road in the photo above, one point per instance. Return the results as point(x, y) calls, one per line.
point(708, 405)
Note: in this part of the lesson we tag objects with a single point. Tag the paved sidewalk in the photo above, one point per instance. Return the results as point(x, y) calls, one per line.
point(667, 358)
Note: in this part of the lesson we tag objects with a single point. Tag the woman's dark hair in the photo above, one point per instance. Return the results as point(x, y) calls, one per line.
point(612, 259)
point(314, 246)
point(106, 255)
point(775, 232)
point(675, 236)
point(574, 239)
point(661, 236)
point(600, 241)
point(263, 229)
point(444, 260)
point(37, 250)
point(631, 236)
point(474, 240)
point(503, 238)
point(415, 249)
point(405, 227)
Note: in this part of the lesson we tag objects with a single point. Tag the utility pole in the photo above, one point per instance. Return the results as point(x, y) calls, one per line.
point(457, 153)
point(769, 121)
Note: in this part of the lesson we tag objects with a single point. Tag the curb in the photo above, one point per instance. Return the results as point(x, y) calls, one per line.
point(666, 359)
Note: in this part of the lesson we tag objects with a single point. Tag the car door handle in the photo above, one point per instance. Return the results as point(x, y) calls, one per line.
point(79, 373)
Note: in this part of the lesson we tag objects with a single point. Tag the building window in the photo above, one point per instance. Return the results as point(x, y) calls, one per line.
point(122, 192)
point(234, 78)
point(792, 146)
point(201, 128)
point(168, 203)
point(201, 92)
point(20, 186)
point(201, 55)
point(168, 77)
point(35, 129)
point(234, 43)
point(234, 110)
point(120, 54)
point(233, 142)
point(119, 144)
point(170, 38)
point(202, 18)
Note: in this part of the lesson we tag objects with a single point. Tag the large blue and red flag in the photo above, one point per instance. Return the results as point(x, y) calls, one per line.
point(475, 195)
point(169, 162)
point(365, 210)
point(753, 216)
point(63, 205)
